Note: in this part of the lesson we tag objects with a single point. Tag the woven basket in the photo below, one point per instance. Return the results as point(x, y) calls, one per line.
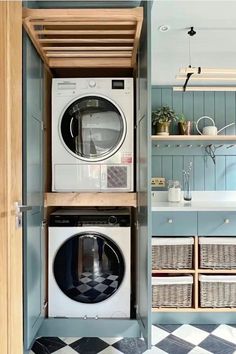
point(217, 252)
point(172, 253)
point(172, 291)
point(217, 291)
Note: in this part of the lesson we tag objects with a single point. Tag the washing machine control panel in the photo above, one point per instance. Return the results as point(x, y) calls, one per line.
point(99, 219)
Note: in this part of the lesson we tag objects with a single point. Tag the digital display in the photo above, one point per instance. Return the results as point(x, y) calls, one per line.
point(118, 84)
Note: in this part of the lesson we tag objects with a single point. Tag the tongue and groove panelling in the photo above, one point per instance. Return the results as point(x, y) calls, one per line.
point(170, 158)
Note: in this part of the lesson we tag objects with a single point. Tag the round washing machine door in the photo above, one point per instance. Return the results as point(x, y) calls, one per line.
point(92, 128)
point(89, 267)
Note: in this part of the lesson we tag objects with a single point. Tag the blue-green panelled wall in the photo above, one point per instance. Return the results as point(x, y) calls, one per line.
point(169, 159)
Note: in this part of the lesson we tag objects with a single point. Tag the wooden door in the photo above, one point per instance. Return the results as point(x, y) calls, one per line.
point(11, 337)
point(143, 177)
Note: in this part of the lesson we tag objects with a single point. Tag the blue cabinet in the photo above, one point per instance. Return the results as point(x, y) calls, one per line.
point(217, 223)
point(174, 223)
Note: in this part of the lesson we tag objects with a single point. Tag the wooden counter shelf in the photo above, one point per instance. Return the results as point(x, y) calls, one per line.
point(194, 138)
point(91, 199)
point(80, 38)
point(192, 309)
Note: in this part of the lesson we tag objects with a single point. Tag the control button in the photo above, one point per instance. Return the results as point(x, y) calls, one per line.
point(92, 83)
point(112, 220)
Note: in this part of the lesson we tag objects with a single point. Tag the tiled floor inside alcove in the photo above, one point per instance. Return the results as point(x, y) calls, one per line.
point(166, 339)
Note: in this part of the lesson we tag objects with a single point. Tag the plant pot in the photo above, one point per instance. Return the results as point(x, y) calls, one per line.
point(185, 128)
point(163, 128)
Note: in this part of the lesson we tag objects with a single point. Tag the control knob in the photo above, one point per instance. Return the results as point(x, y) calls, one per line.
point(92, 83)
point(112, 220)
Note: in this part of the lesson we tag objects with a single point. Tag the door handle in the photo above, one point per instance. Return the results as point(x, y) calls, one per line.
point(20, 208)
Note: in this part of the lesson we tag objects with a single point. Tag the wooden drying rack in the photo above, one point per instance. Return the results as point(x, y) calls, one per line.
point(85, 37)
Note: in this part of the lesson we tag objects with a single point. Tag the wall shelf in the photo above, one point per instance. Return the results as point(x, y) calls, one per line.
point(191, 309)
point(78, 38)
point(213, 138)
point(91, 199)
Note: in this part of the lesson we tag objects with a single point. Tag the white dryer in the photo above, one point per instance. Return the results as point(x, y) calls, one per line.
point(89, 264)
point(92, 134)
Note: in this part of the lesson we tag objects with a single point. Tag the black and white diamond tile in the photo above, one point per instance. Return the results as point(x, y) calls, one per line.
point(166, 339)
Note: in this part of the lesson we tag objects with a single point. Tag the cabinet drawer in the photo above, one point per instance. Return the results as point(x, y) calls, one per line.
point(174, 223)
point(217, 223)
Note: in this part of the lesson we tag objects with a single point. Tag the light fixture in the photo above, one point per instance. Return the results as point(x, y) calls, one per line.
point(195, 74)
point(164, 28)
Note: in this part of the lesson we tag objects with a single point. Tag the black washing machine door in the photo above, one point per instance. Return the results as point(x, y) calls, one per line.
point(92, 128)
point(89, 267)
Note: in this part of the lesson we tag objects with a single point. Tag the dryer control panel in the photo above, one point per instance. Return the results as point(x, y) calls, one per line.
point(68, 218)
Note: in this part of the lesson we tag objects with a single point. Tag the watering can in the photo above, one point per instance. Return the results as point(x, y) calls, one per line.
point(211, 129)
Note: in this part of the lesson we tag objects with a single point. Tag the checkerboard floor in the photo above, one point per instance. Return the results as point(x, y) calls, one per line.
point(166, 339)
point(92, 288)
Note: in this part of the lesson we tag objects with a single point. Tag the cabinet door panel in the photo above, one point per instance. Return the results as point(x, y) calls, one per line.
point(143, 179)
point(174, 223)
point(32, 193)
point(217, 223)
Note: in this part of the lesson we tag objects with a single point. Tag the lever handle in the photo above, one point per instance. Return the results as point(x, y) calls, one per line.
point(22, 208)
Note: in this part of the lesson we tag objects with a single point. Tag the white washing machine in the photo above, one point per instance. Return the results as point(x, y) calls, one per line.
point(89, 264)
point(92, 135)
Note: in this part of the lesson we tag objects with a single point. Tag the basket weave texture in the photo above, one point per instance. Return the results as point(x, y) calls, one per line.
point(172, 256)
point(172, 295)
point(218, 256)
point(218, 294)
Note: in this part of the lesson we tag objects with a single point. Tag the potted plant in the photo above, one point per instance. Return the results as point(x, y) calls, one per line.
point(162, 118)
point(184, 125)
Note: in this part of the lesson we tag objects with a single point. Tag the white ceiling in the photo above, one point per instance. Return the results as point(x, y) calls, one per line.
point(214, 45)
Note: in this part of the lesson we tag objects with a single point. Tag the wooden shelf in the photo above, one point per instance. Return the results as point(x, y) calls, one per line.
point(173, 271)
point(216, 271)
point(191, 309)
point(91, 199)
point(85, 37)
point(194, 138)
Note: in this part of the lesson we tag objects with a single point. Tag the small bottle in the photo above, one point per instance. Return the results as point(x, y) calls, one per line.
point(174, 191)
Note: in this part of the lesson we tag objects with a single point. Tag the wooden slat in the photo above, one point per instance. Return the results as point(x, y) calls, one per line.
point(67, 22)
point(184, 309)
point(89, 55)
point(86, 40)
point(11, 242)
point(130, 14)
point(90, 62)
point(77, 49)
point(31, 32)
point(85, 32)
point(90, 199)
point(136, 40)
point(195, 279)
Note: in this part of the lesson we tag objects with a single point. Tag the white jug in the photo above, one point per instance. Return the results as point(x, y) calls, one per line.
point(211, 129)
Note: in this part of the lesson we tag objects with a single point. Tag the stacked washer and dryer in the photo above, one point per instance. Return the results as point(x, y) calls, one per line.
point(92, 151)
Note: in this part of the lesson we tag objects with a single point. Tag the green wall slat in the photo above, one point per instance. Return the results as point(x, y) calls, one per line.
point(219, 117)
point(210, 183)
point(198, 173)
point(220, 173)
point(198, 108)
point(230, 100)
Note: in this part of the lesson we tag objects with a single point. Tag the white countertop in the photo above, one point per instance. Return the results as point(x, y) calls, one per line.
point(201, 201)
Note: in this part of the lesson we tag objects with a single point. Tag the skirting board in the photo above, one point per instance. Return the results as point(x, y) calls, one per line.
point(74, 327)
